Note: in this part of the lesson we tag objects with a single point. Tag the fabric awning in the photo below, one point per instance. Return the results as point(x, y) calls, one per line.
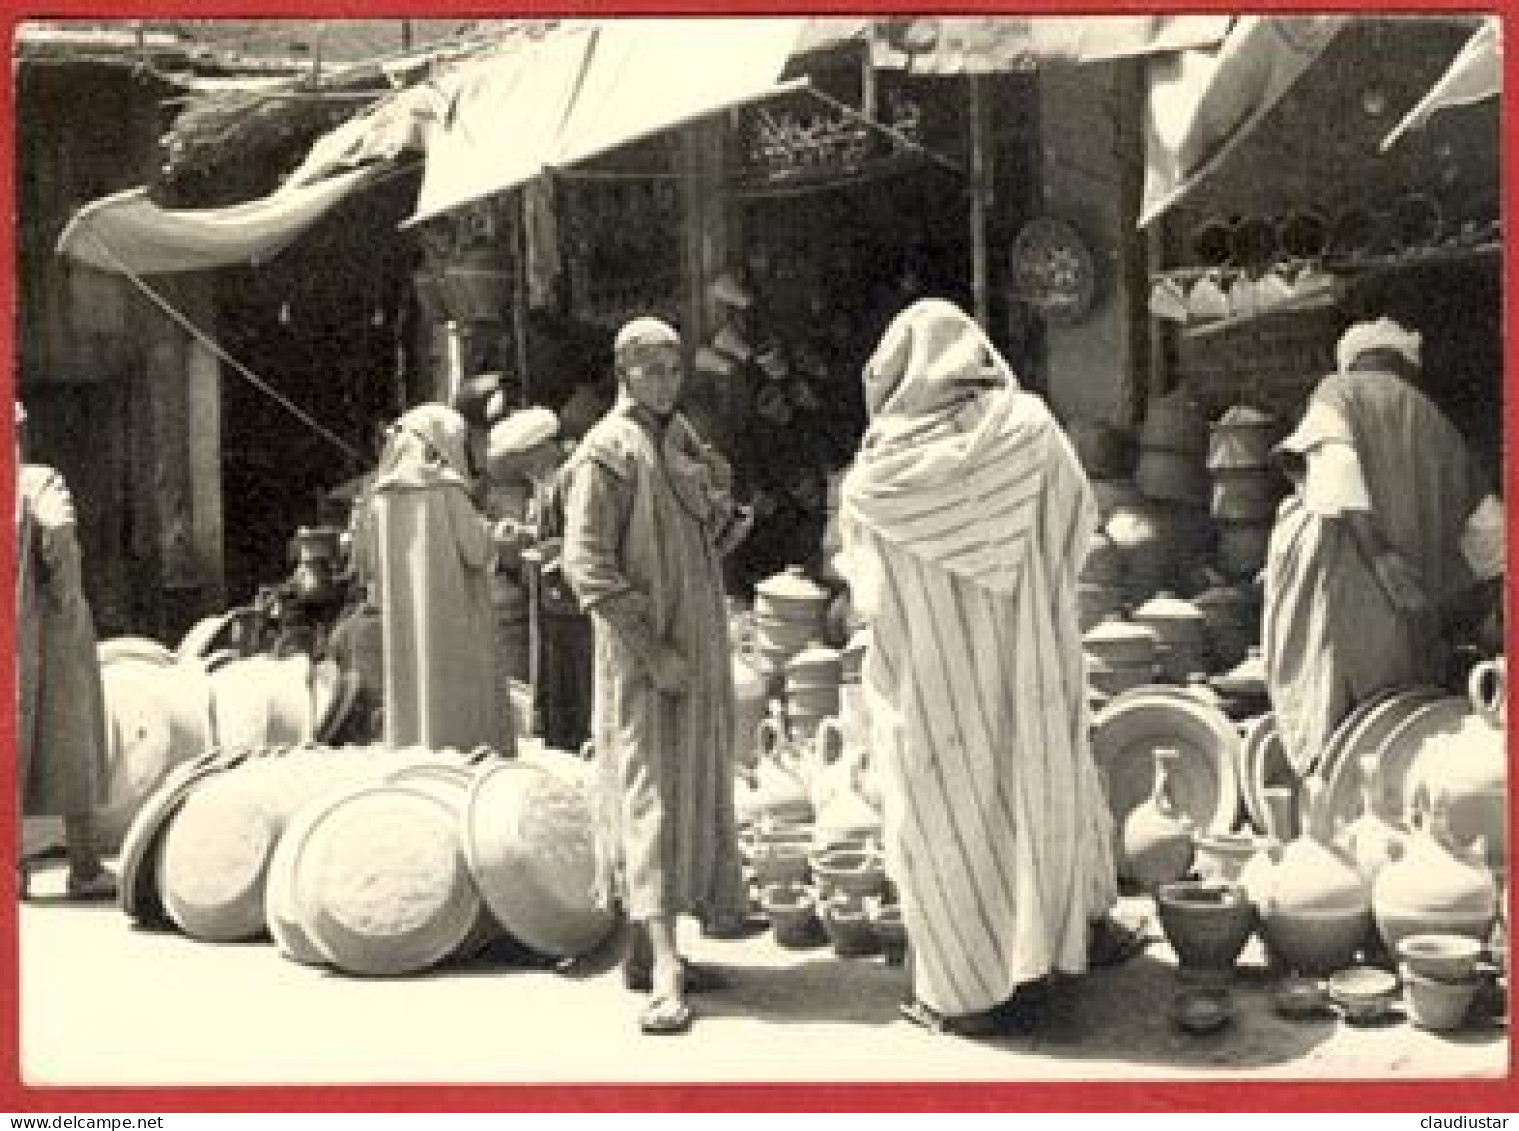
point(577, 95)
point(937, 45)
point(1475, 75)
point(1201, 103)
point(128, 232)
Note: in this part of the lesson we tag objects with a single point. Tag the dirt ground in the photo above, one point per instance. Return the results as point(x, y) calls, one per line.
point(105, 1003)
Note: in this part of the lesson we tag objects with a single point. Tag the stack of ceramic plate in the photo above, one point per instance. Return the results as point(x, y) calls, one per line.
point(790, 611)
point(1394, 728)
point(158, 716)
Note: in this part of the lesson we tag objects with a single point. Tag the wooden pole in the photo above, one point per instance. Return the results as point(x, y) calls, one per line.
point(980, 197)
point(519, 293)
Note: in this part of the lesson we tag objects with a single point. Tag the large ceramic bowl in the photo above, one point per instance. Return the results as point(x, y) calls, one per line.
point(1435, 1005)
point(1202, 782)
point(1364, 993)
point(1315, 943)
point(1206, 923)
point(1443, 958)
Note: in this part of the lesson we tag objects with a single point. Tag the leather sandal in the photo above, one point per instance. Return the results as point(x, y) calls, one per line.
point(665, 1016)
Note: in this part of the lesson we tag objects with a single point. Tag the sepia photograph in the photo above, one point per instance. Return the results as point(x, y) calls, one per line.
point(796, 553)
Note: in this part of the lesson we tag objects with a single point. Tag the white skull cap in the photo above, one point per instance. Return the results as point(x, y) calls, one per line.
point(645, 332)
point(1384, 333)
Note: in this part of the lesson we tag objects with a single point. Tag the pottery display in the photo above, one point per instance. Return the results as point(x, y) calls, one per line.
point(1156, 836)
point(1431, 889)
point(1207, 923)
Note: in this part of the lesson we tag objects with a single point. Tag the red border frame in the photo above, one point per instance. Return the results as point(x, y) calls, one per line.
point(1484, 1096)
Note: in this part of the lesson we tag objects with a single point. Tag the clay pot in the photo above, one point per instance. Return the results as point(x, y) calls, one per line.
point(849, 928)
point(791, 909)
point(1173, 422)
point(1172, 476)
point(1435, 1005)
point(1432, 890)
point(1102, 448)
point(890, 931)
point(1240, 438)
point(1243, 494)
point(856, 872)
point(1121, 643)
point(816, 666)
point(791, 596)
point(1242, 548)
point(1104, 561)
point(1315, 908)
point(1441, 958)
point(1207, 923)
point(1173, 620)
point(1222, 857)
point(1156, 838)
point(1098, 602)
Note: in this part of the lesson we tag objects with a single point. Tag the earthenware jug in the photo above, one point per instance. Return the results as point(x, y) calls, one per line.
point(1433, 888)
point(1157, 835)
point(1464, 773)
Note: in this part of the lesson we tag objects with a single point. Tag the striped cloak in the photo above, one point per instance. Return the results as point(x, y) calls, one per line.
point(965, 547)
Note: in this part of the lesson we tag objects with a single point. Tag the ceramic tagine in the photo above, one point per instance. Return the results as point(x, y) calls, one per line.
point(1156, 836)
point(1433, 889)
